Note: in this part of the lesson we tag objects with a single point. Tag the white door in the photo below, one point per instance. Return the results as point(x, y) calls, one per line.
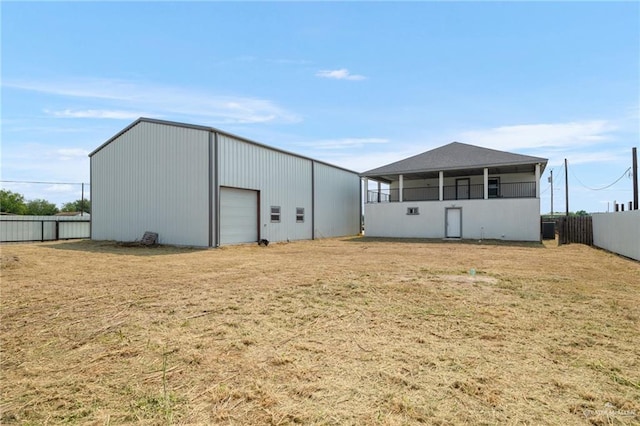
point(238, 216)
point(453, 223)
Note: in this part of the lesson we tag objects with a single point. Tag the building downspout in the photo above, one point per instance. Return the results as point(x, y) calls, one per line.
point(216, 186)
point(91, 196)
point(361, 206)
point(211, 186)
point(313, 200)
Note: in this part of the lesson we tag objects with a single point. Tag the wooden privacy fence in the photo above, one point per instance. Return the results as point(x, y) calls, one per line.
point(575, 229)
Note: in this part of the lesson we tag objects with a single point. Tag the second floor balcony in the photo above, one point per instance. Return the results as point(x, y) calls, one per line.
point(455, 192)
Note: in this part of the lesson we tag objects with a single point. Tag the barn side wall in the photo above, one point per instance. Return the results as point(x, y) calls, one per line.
point(290, 182)
point(618, 232)
point(282, 180)
point(337, 202)
point(153, 177)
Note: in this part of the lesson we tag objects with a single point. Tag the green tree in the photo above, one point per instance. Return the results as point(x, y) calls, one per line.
point(77, 206)
point(40, 207)
point(581, 213)
point(12, 202)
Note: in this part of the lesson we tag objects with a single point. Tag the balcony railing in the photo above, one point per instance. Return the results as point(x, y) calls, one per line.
point(453, 192)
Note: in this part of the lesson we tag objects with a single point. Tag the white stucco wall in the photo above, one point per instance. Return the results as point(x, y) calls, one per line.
point(503, 219)
point(618, 232)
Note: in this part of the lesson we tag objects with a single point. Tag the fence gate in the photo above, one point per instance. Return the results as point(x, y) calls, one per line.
point(575, 229)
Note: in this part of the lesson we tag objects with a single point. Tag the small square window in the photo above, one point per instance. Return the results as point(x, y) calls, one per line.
point(412, 210)
point(275, 213)
point(299, 214)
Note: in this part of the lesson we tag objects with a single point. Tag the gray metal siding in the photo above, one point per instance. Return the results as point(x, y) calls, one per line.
point(43, 228)
point(283, 180)
point(153, 177)
point(337, 202)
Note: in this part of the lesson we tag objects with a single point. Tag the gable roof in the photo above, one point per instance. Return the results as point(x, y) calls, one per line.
point(455, 156)
point(211, 130)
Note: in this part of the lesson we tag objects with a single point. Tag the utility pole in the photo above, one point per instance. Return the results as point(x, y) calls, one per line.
point(566, 187)
point(551, 181)
point(82, 201)
point(634, 170)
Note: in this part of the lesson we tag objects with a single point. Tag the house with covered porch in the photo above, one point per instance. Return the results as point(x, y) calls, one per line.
point(456, 191)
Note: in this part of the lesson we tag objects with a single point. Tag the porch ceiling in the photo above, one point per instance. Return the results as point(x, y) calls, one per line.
point(494, 170)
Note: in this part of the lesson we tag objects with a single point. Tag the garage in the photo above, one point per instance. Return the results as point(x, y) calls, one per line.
point(202, 187)
point(238, 216)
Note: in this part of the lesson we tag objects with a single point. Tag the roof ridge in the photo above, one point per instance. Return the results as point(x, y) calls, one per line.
point(454, 155)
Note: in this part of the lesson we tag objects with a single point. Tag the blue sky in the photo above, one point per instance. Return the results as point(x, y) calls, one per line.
point(358, 84)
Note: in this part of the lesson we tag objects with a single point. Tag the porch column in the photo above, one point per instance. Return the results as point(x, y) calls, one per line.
point(537, 180)
point(486, 183)
point(441, 185)
point(401, 187)
point(379, 191)
point(366, 190)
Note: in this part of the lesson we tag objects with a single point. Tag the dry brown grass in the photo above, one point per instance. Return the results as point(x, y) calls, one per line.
point(338, 331)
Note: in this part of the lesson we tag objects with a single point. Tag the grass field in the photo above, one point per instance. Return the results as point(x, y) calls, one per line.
point(337, 331)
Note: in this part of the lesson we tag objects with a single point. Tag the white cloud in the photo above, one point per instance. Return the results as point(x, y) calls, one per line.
point(97, 113)
point(575, 157)
point(570, 134)
point(159, 101)
point(290, 61)
point(62, 188)
point(65, 154)
point(344, 143)
point(341, 74)
point(368, 159)
point(80, 88)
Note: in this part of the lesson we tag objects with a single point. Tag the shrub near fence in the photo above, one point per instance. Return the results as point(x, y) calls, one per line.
point(43, 228)
point(575, 229)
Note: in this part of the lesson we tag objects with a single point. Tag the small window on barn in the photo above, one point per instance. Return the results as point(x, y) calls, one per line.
point(412, 210)
point(275, 213)
point(299, 214)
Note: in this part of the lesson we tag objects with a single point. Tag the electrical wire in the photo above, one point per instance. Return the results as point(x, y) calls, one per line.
point(44, 183)
point(604, 187)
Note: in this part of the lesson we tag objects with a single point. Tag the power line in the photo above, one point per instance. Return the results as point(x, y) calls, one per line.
point(604, 187)
point(44, 183)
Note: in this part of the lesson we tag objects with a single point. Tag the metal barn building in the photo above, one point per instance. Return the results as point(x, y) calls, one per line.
point(199, 186)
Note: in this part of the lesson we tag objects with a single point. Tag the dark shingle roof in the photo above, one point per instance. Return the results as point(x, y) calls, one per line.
point(454, 156)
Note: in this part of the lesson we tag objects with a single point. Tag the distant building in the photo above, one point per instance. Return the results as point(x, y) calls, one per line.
point(200, 186)
point(73, 214)
point(456, 191)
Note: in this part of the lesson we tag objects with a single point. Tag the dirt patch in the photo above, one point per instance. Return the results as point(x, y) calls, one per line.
point(467, 279)
point(319, 332)
point(7, 262)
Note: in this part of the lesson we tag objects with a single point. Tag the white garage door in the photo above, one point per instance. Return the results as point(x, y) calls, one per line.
point(238, 216)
